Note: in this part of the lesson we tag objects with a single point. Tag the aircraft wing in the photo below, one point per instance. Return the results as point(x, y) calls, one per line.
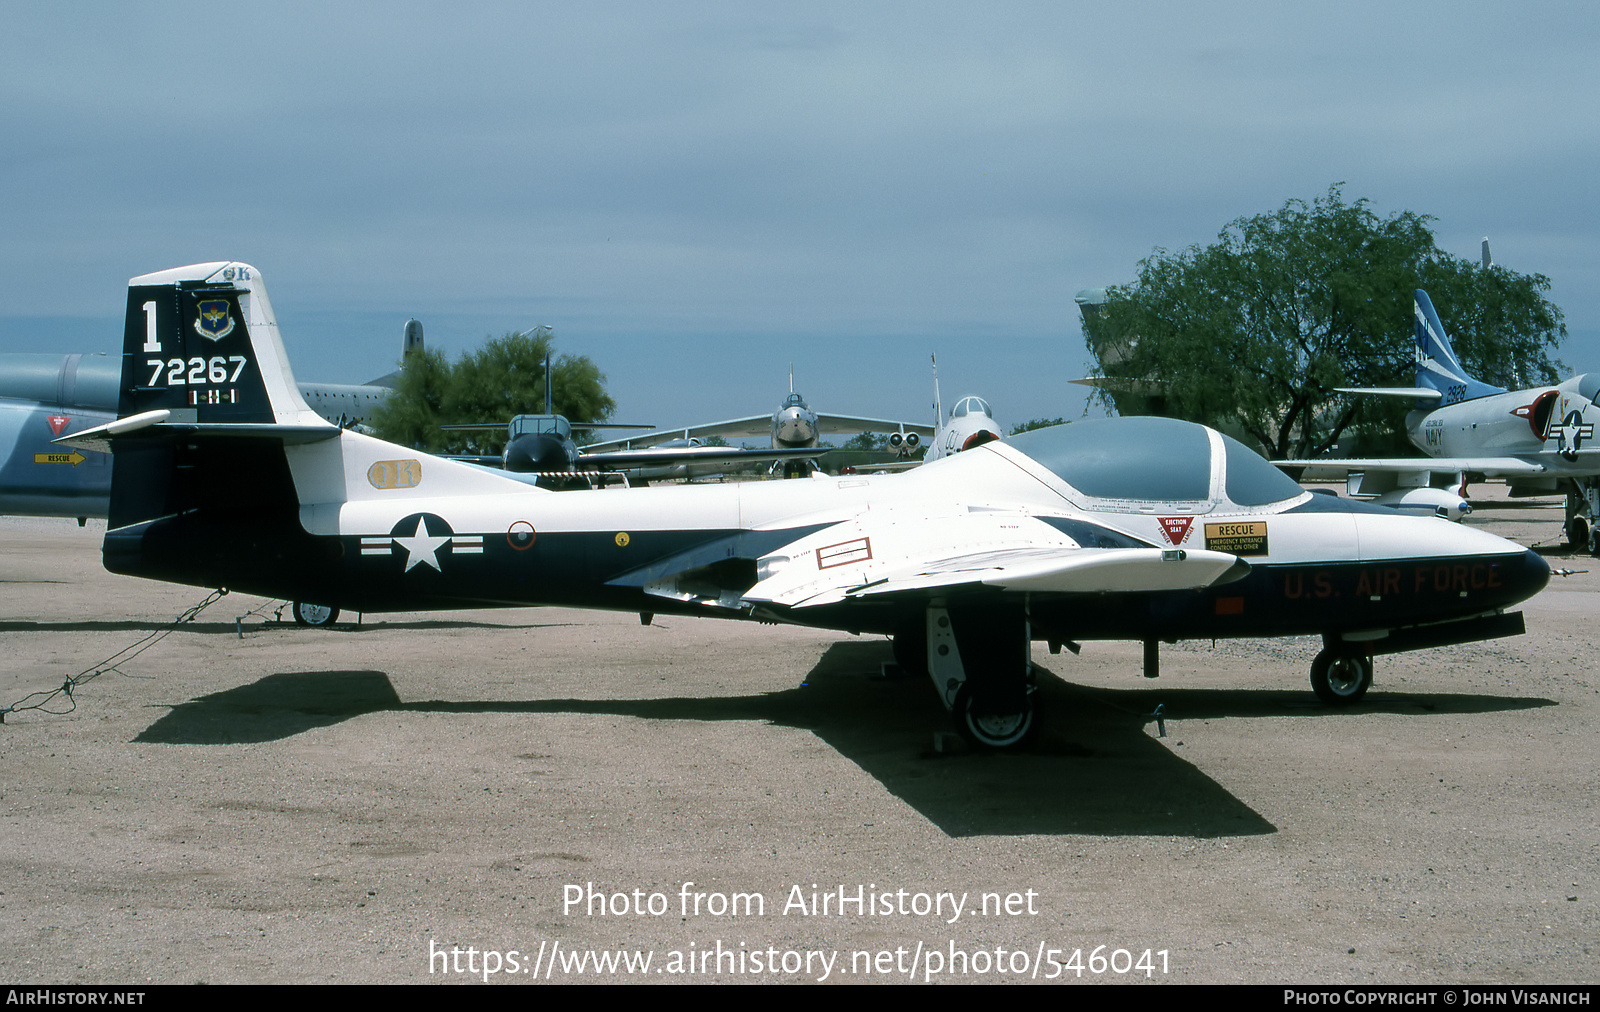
point(754, 427)
point(1489, 467)
point(898, 552)
point(851, 425)
point(885, 467)
point(1145, 387)
point(760, 427)
point(1409, 393)
point(622, 460)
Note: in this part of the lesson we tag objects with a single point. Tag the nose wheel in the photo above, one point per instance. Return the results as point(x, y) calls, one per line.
point(1340, 679)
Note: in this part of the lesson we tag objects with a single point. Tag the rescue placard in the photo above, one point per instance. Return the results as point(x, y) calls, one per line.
point(1243, 538)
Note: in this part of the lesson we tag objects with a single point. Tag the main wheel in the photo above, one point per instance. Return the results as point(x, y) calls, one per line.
point(1340, 679)
point(995, 730)
point(1577, 534)
point(314, 615)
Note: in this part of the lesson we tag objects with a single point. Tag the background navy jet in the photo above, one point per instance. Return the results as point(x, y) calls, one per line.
point(1541, 440)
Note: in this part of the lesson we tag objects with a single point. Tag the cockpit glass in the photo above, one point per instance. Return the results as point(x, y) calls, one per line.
point(1152, 460)
point(1126, 458)
point(540, 424)
point(971, 405)
point(794, 401)
point(1589, 385)
point(1252, 480)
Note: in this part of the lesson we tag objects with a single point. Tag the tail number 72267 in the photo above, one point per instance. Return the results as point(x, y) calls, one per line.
point(196, 371)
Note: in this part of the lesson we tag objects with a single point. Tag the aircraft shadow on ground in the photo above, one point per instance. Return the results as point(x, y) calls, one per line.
point(1097, 767)
point(256, 627)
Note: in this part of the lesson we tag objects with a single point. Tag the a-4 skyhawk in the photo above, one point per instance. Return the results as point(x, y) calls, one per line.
point(1140, 528)
point(1540, 441)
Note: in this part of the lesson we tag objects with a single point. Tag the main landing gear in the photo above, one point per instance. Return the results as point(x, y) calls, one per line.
point(978, 658)
point(1583, 516)
point(317, 616)
point(1340, 678)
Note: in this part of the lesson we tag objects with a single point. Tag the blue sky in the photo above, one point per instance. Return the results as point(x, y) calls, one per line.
point(697, 196)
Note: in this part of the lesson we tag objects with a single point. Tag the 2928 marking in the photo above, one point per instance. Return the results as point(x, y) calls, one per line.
point(196, 371)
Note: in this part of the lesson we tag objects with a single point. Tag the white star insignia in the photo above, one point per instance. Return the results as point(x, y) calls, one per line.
point(422, 547)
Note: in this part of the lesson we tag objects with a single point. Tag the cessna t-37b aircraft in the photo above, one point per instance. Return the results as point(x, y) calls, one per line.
point(1135, 528)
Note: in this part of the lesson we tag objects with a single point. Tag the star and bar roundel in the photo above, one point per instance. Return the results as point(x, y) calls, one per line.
point(423, 541)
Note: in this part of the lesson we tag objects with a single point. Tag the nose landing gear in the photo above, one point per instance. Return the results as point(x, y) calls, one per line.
point(1340, 679)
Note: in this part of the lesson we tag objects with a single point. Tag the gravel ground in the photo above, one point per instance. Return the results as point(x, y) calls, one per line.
point(428, 797)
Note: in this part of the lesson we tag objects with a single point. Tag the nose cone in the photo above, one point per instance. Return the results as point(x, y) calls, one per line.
point(794, 427)
point(1450, 564)
point(1526, 575)
point(537, 452)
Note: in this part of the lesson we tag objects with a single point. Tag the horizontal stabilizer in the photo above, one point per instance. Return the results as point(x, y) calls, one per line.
point(161, 422)
point(1409, 393)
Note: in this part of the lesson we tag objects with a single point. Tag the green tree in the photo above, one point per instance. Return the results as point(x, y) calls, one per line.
point(1257, 330)
point(1036, 423)
point(503, 378)
point(866, 441)
point(414, 410)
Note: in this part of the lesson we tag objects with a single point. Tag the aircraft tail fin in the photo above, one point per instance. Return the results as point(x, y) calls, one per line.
point(221, 473)
point(207, 402)
point(202, 342)
point(1438, 368)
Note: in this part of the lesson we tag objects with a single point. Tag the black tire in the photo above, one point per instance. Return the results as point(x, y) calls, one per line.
point(1340, 679)
point(316, 616)
point(998, 732)
point(1577, 534)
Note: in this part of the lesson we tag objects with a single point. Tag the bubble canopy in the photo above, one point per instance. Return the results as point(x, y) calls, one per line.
point(1154, 460)
point(971, 406)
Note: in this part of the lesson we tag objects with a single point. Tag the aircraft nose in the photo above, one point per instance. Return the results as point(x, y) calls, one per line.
point(1529, 574)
